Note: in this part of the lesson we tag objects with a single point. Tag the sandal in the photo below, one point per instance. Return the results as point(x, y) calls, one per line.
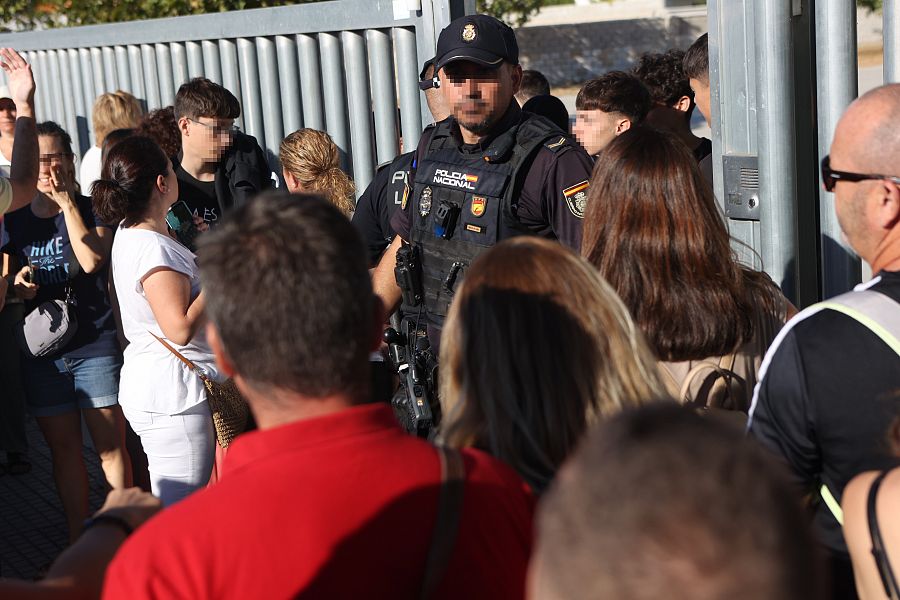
point(17, 463)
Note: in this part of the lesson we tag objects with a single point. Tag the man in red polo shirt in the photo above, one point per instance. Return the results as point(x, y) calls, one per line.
point(329, 499)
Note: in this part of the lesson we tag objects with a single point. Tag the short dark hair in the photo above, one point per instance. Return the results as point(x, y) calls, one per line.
point(127, 179)
point(201, 97)
point(615, 92)
point(288, 288)
point(54, 129)
point(659, 502)
point(534, 84)
point(112, 138)
point(663, 75)
point(696, 60)
point(550, 107)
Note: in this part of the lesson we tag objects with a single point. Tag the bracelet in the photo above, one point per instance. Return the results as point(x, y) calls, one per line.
point(107, 519)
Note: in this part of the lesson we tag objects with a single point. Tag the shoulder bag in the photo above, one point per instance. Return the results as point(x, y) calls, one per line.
point(229, 409)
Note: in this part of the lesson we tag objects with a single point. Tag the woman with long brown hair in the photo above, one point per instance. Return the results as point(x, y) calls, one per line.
point(654, 232)
point(536, 348)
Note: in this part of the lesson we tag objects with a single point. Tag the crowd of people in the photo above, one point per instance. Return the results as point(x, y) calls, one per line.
point(582, 392)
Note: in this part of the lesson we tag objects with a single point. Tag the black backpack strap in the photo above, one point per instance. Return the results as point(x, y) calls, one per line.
point(453, 479)
point(879, 552)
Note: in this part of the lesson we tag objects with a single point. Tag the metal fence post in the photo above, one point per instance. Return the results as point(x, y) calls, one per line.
point(777, 146)
point(891, 33)
point(836, 87)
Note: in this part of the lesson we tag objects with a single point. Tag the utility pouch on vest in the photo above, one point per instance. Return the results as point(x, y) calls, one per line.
point(445, 219)
point(408, 273)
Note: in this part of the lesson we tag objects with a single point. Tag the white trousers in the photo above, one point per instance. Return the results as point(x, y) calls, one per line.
point(180, 449)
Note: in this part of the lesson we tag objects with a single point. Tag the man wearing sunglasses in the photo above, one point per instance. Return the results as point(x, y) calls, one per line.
point(828, 385)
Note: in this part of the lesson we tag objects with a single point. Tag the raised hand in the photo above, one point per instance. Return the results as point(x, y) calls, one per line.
point(62, 186)
point(19, 78)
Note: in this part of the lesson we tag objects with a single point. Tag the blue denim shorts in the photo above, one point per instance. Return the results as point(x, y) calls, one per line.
point(57, 386)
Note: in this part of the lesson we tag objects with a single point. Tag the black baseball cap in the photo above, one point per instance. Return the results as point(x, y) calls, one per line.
point(481, 39)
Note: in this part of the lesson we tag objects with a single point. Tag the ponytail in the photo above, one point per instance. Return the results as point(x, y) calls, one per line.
point(110, 200)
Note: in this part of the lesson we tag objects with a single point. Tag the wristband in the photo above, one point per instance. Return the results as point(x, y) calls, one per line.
point(108, 519)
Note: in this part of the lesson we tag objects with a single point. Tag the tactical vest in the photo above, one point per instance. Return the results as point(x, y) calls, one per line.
point(462, 204)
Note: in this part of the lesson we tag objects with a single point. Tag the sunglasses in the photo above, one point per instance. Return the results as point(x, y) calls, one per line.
point(830, 177)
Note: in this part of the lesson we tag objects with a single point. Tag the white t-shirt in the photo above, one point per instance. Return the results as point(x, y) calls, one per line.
point(5, 164)
point(153, 379)
point(90, 169)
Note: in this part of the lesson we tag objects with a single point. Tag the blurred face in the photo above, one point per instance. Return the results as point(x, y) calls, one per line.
point(478, 96)
point(206, 138)
point(701, 97)
point(7, 116)
point(595, 129)
point(52, 153)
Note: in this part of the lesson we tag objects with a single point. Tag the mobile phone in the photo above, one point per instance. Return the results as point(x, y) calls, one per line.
point(180, 220)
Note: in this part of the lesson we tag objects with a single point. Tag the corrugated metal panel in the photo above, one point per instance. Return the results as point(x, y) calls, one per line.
point(335, 66)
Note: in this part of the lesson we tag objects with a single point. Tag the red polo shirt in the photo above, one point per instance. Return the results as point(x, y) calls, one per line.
point(340, 506)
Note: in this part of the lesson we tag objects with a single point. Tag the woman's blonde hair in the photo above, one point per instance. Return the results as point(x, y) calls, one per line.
point(115, 110)
point(536, 348)
point(312, 157)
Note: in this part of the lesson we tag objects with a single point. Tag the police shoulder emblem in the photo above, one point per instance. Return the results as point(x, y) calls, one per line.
point(478, 205)
point(469, 33)
point(576, 197)
point(425, 202)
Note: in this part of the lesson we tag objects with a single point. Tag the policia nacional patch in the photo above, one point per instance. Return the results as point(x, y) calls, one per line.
point(576, 197)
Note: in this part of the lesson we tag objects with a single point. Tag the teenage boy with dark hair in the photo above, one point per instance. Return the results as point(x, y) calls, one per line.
point(607, 107)
point(673, 98)
point(218, 167)
point(696, 69)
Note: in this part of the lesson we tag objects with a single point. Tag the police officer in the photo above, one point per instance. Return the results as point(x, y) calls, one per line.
point(486, 173)
point(384, 195)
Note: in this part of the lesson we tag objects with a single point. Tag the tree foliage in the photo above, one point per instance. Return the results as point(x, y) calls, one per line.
point(28, 14)
point(517, 12)
point(872, 5)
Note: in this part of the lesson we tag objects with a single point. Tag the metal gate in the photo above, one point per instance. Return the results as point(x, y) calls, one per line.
point(348, 67)
point(782, 73)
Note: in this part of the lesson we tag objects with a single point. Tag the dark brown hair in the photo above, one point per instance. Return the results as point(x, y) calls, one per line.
point(654, 231)
point(528, 364)
point(161, 126)
point(128, 178)
point(201, 97)
point(659, 502)
point(664, 76)
point(310, 279)
point(615, 92)
point(696, 59)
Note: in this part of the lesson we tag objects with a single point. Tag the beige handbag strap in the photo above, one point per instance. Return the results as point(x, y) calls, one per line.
point(180, 356)
point(724, 369)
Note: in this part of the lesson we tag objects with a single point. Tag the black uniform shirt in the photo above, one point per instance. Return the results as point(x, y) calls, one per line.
point(379, 202)
point(551, 203)
point(828, 390)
